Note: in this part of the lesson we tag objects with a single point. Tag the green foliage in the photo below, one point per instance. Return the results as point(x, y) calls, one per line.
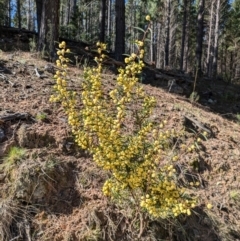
point(14, 155)
point(41, 116)
point(33, 45)
point(2, 12)
point(235, 195)
point(194, 97)
point(231, 34)
point(79, 25)
point(238, 117)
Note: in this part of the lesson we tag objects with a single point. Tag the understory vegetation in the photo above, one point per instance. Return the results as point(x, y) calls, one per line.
point(140, 158)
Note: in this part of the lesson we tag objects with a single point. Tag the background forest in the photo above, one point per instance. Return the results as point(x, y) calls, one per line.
point(188, 35)
point(148, 154)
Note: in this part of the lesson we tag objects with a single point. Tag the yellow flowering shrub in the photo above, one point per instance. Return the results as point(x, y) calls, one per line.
point(133, 155)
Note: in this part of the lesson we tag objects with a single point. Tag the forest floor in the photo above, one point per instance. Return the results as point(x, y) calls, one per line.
point(52, 189)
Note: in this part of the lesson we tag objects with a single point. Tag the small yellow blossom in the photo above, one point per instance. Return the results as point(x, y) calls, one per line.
point(148, 18)
point(209, 206)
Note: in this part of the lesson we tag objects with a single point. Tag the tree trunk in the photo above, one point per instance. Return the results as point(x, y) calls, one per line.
point(30, 15)
point(132, 26)
point(184, 25)
point(158, 55)
point(49, 28)
point(216, 37)
point(109, 19)
point(172, 35)
point(71, 8)
point(102, 21)
point(187, 37)
point(39, 5)
point(168, 7)
point(19, 14)
point(210, 47)
point(120, 30)
point(90, 26)
point(152, 44)
point(200, 33)
point(130, 12)
point(68, 12)
point(9, 13)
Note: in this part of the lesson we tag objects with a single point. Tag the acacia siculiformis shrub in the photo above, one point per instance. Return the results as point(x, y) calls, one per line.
point(134, 156)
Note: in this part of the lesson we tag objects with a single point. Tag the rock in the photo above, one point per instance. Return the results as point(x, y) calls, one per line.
point(211, 101)
point(2, 135)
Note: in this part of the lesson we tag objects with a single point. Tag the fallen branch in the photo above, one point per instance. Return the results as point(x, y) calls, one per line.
point(14, 116)
point(197, 124)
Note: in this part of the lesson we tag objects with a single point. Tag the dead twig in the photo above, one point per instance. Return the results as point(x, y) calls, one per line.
point(4, 77)
point(39, 74)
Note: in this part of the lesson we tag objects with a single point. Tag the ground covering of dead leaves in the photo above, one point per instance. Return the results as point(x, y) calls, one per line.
point(54, 193)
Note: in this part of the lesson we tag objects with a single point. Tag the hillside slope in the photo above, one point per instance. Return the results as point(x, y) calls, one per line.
point(53, 192)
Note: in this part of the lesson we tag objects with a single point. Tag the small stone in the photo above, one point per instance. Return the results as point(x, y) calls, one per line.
point(2, 135)
point(210, 101)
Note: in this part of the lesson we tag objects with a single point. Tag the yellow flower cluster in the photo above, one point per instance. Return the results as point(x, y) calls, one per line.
point(67, 98)
point(133, 156)
point(165, 198)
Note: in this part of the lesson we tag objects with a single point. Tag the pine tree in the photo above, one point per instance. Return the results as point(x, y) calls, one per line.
point(49, 28)
point(120, 29)
point(200, 35)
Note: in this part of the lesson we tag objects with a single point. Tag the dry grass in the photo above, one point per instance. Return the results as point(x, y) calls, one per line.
point(14, 222)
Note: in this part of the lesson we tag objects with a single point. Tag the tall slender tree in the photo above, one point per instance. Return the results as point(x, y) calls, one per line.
point(184, 26)
point(39, 6)
point(19, 14)
point(200, 34)
point(120, 29)
point(168, 12)
point(216, 39)
point(49, 29)
point(8, 18)
point(102, 21)
point(210, 36)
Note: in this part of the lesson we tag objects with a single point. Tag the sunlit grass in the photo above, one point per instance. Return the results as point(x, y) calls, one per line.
point(14, 155)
